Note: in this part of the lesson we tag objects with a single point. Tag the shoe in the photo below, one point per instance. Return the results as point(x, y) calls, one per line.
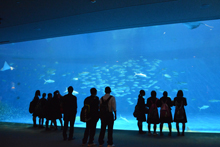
point(64, 138)
point(149, 134)
point(91, 144)
point(161, 134)
point(183, 134)
point(142, 132)
point(169, 134)
point(111, 145)
point(178, 134)
point(47, 129)
point(72, 138)
point(155, 134)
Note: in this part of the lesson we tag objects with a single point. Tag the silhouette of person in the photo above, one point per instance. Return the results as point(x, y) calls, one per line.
point(93, 102)
point(42, 114)
point(108, 119)
point(57, 113)
point(165, 112)
point(35, 101)
point(153, 117)
point(49, 110)
point(70, 110)
point(141, 111)
point(180, 113)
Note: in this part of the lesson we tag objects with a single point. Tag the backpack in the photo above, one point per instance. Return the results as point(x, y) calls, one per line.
point(104, 107)
point(153, 112)
point(85, 115)
point(165, 110)
point(179, 111)
point(136, 111)
point(31, 107)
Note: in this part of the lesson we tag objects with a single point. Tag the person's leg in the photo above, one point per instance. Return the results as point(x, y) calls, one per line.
point(47, 121)
point(177, 128)
point(110, 131)
point(42, 122)
point(61, 123)
point(39, 122)
point(183, 129)
point(34, 121)
point(161, 128)
point(170, 128)
point(92, 130)
point(71, 128)
point(155, 128)
point(102, 132)
point(149, 125)
point(86, 133)
point(65, 129)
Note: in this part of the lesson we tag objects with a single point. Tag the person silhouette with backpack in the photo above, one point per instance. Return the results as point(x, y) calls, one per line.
point(107, 107)
point(33, 105)
point(91, 113)
point(165, 112)
point(180, 113)
point(153, 118)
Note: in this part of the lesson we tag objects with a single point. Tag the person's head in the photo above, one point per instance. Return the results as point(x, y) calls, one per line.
point(44, 95)
point(49, 96)
point(142, 92)
point(70, 89)
point(56, 92)
point(180, 93)
point(153, 93)
point(107, 89)
point(37, 93)
point(165, 93)
point(93, 91)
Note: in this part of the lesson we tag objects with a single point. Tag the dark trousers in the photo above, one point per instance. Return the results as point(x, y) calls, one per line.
point(66, 121)
point(90, 131)
point(108, 121)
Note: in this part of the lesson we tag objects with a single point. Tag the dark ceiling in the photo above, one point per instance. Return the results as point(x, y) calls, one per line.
point(23, 20)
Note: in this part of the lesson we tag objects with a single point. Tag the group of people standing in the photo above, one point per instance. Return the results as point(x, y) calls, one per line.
point(53, 107)
point(153, 117)
point(105, 109)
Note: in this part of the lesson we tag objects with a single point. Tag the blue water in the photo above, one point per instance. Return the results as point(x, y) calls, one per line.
point(171, 57)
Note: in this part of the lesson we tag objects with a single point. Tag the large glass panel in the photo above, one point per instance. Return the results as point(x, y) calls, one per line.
point(165, 57)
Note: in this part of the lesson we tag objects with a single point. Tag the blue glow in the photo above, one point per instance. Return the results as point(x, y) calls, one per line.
point(166, 57)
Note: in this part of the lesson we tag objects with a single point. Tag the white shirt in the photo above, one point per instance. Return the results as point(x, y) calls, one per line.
point(111, 102)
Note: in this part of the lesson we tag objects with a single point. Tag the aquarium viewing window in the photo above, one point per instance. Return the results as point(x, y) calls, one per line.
point(168, 58)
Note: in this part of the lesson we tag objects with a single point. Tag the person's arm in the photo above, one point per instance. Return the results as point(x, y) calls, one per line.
point(185, 103)
point(114, 107)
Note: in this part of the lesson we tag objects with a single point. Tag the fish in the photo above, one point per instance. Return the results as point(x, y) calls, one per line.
point(75, 79)
point(48, 81)
point(214, 101)
point(194, 25)
point(6, 67)
point(124, 118)
point(167, 76)
point(203, 107)
point(74, 91)
point(140, 74)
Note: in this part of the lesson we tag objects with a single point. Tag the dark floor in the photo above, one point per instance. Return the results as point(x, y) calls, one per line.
point(23, 135)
